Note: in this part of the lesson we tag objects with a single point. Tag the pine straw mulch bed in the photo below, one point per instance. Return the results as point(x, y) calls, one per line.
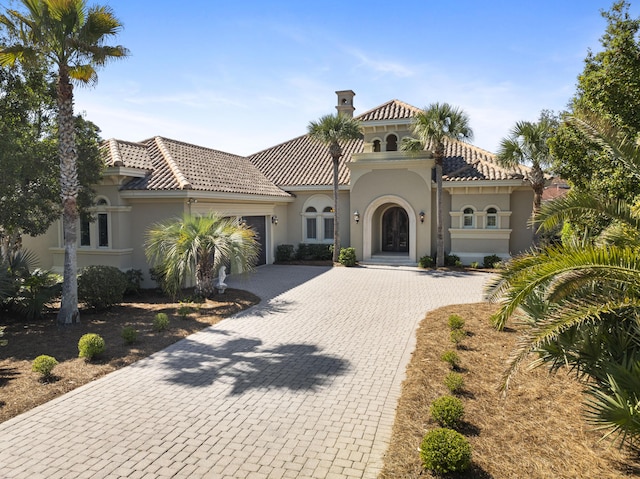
point(537, 431)
point(21, 389)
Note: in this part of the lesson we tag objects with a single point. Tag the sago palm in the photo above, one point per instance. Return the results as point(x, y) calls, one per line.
point(433, 126)
point(579, 302)
point(332, 130)
point(69, 38)
point(198, 246)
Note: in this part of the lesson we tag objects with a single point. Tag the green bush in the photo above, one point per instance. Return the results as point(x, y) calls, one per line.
point(3, 342)
point(157, 275)
point(185, 310)
point(457, 336)
point(454, 382)
point(426, 262)
point(447, 411)
point(44, 365)
point(474, 265)
point(101, 287)
point(129, 334)
point(444, 450)
point(455, 322)
point(90, 345)
point(285, 252)
point(314, 252)
point(347, 257)
point(134, 279)
point(491, 261)
point(161, 322)
point(452, 260)
point(452, 358)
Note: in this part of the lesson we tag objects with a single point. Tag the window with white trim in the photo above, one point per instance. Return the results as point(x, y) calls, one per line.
point(95, 234)
point(492, 218)
point(468, 218)
point(318, 220)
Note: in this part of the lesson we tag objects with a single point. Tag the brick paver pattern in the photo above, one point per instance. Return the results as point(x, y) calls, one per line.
point(303, 385)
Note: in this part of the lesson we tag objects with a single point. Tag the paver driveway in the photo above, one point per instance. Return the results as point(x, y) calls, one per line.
point(303, 385)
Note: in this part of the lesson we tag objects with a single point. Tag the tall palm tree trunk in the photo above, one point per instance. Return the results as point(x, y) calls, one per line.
point(68, 313)
point(439, 155)
point(336, 225)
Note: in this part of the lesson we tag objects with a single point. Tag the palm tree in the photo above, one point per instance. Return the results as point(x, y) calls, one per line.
point(69, 38)
point(527, 144)
point(331, 130)
point(432, 126)
point(579, 301)
point(199, 246)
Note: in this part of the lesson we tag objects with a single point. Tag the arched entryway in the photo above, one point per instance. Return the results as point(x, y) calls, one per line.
point(400, 230)
point(395, 230)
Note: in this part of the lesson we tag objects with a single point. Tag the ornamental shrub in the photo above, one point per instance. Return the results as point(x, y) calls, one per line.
point(185, 310)
point(426, 262)
point(347, 257)
point(457, 336)
point(160, 322)
point(455, 322)
point(452, 358)
point(454, 382)
point(101, 287)
point(129, 334)
point(444, 450)
point(474, 265)
point(452, 260)
point(491, 261)
point(44, 365)
point(447, 411)
point(285, 252)
point(90, 345)
point(134, 279)
point(314, 252)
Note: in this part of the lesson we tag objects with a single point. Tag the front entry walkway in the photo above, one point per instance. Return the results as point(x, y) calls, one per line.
point(303, 385)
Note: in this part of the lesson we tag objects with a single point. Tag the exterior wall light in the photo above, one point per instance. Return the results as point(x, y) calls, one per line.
point(422, 217)
point(274, 220)
point(356, 216)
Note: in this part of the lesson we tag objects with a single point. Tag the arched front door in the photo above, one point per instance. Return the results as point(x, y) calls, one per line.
point(395, 230)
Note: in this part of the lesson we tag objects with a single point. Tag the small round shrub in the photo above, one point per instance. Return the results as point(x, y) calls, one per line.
point(452, 260)
point(447, 411)
point(452, 358)
point(185, 310)
point(426, 262)
point(90, 345)
point(474, 265)
point(454, 382)
point(347, 257)
point(444, 450)
point(129, 334)
point(455, 322)
point(44, 365)
point(491, 261)
point(101, 287)
point(457, 336)
point(160, 322)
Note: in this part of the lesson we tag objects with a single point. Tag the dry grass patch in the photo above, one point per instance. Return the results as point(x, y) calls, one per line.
point(537, 431)
point(21, 389)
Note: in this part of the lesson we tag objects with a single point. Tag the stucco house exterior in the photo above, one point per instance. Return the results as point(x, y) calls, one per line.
point(387, 196)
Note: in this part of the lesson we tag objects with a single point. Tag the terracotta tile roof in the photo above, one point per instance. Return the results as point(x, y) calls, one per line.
point(304, 162)
point(392, 110)
point(174, 165)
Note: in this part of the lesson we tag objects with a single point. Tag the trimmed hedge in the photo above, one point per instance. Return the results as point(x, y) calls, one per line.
point(101, 287)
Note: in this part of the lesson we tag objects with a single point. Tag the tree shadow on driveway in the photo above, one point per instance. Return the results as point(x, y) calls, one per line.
point(246, 365)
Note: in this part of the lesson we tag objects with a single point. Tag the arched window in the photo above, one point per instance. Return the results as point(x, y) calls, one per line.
point(318, 220)
point(392, 143)
point(492, 218)
point(468, 218)
point(376, 146)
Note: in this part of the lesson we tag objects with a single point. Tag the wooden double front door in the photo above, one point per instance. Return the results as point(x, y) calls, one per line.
point(395, 230)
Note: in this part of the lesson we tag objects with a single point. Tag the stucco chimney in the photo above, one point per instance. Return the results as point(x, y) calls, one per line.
point(345, 102)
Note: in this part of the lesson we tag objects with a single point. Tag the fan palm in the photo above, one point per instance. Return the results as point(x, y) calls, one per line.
point(199, 246)
point(579, 301)
point(332, 130)
point(69, 38)
point(433, 126)
point(527, 144)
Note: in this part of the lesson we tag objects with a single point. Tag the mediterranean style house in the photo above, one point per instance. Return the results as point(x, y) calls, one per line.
point(387, 196)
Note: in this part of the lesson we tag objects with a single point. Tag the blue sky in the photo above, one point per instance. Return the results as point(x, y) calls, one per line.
point(241, 76)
